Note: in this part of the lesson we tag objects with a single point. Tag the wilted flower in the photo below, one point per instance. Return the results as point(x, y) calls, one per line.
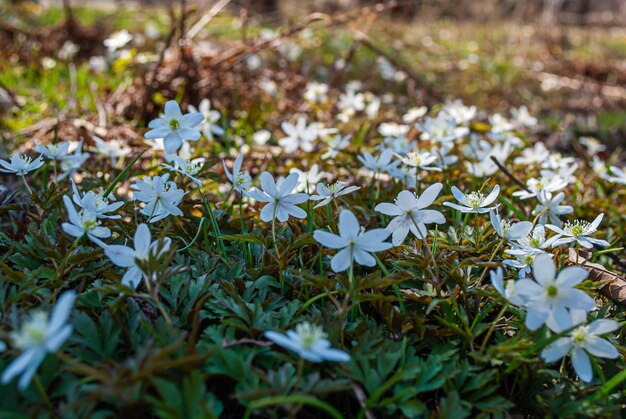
point(474, 202)
point(127, 257)
point(39, 336)
point(309, 342)
point(281, 202)
point(410, 214)
point(355, 243)
point(174, 127)
point(161, 196)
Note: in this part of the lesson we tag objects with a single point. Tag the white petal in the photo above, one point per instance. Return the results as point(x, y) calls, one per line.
point(582, 365)
point(329, 240)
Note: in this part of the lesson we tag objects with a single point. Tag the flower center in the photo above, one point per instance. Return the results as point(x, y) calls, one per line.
point(309, 334)
point(552, 291)
point(475, 199)
point(577, 230)
point(33, 332)
point(90, 224)
point(174, 124)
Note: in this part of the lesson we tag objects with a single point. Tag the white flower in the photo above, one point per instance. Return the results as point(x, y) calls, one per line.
point(174, 127)
point(161, 196)
point(442, 129)
point(261, 137)
point(391, 129)
point(309, 342)
point(85, 222)
point(73, 162)
point(523, 118)
point(548, 208)
point(414, 114)
point(409, 213)
point(544, 184)
point(117, 40)
point(325, 193)
point(422, 160)
point(209, 126)
point(281, 203)
point(299, 136)
point(499, 123)
point(381, 163)
point(96, 203)
point(189, 168)
point(534, 242)
point(315, 92)
point(593, 146)
point(581, 342)
point(550, 296)
point(37, 337)
point(506, 230)
point(459, 113)
point(335, 145)
point(114, 149)
point(486, 166)
point(474, 202)
point(523, 261)
point(351, 102)
point(307, 179)
point(617, 175)
point(53, 151)
point(241, 180)
point(127, 257)
point(20, 165)
point(578, 232)
point(535, 155)
point(355, 243)
point(508, 290)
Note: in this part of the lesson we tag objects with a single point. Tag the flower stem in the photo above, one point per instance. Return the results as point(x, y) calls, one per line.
point(42, 392)
point(30, 192)
point(493, 325)
point(493, 254)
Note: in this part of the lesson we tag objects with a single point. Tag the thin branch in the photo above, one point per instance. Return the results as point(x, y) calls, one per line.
point(509, 174)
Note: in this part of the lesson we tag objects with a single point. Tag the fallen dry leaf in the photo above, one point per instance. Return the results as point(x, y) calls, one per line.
point(615, 287)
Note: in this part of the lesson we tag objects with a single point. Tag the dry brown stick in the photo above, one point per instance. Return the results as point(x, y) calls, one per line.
point(509, 174)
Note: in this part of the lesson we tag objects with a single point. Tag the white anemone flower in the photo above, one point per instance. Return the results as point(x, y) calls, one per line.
point(161, 196)
point(420, 159)
point(523, 118)
point(355, 244)
point(189, 168)
point(84, 223)
point(96, 203)
point(209, 126)
point(309, 342)
point(20, 165)
point(473, 202)
point(533, 155)
point(549, 208)
point(326, 193)
point(577, 232)
point(174, 127)
point(37, 337)
point(53, 151)
point(335, 145)
point(410, 214)
point(307, 179)
point(281, 202)
point(507, 230)
point(127, 257)
point(535, 241)
point(508, 289)
point(581, 342)
point(299, 136)
point(241, 180)
point(414, 114)
point(380, 164)
point(459, 113)
point(550, 295)
point(441, 129)
point(113, 149)
point(616, 175)
point(523, 261)
point(536, 186)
